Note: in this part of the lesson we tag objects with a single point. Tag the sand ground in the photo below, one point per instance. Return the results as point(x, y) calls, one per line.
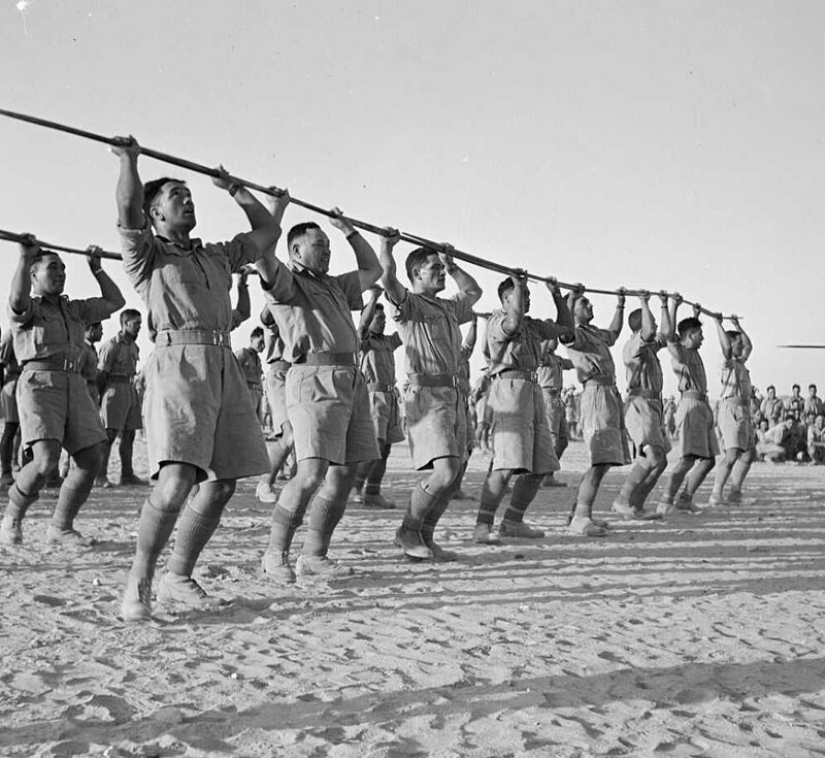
point(697, 636)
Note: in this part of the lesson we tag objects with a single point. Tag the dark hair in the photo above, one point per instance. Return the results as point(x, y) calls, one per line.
point(299, 230)
point(795, 387)
point(634, 320)
point(128, 313)
point(811, 386)
point(687, 324)
point(770, 387)
point(379, 307)
point(416, 259)
point(258, 331)
point(505, 287)
point(733, 333)
point(152, 189)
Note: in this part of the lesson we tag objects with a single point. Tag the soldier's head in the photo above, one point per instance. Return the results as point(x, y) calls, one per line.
point(634, 320)
point(505, 294)
point(130, 322)
point(167, 203)
point(379, 320)
point(93, 332)
point(426, 271)
point(582, 310)
point(812, 390)
point(690, 332)
point(48, 274)
point(309, 246)
point(771, 390)
point(796, 389)
point(736, 343)
point(256, 339)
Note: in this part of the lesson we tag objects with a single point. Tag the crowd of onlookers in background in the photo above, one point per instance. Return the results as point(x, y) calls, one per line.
point(789, 428)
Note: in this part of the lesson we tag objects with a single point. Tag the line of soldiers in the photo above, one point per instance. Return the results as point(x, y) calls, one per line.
point(202, 427)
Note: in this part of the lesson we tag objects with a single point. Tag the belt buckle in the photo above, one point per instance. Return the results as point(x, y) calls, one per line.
point(68, 364)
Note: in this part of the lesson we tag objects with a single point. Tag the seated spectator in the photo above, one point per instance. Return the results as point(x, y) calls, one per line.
point(816, 440)
point(770, 441)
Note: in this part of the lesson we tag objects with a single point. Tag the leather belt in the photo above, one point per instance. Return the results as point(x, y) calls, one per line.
point(52, 364)
point(552, 391)
point(279, 365)
point(516, 373)
point(327, 359)
point(192, 337)
point(118, 379)
point(378, 387)
point(647, 394)
point(434, 380)
point(600, 381)
point(737, 400)
point(695, 395)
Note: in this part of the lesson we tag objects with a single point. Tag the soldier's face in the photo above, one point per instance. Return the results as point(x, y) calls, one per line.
point(311, 250)
point(48, 275)
point(379, 322)
point(132, 326)
point(433, 274)
point(174, 207)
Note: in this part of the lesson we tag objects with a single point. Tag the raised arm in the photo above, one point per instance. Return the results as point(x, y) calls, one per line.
point(724, 340)
point(20, 295)
point(368, 313)
point(469, 343)
point(564, 316)
point(109, 291)
point(267, 264)
point(667, 326)
point(747, 345)
point(514, 316)
point(129, 194)
point(675, 302)
point(243, 306)
point(648, 332)
point(618, 316)
point(369, 269)
point(389, 279)
point(467, 286)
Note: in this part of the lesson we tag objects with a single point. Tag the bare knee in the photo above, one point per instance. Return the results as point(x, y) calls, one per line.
point(310, 474)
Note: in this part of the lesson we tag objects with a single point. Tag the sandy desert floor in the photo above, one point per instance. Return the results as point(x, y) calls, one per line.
point(696, 636)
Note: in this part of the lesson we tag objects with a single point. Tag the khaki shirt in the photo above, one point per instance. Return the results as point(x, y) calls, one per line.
point(688, 367)
point(377, 361)
point(87, 363)
point(429, 330)
point(550, 374)
point(313, 312)
point(250, 363)
point(736, 379)
point(644, 372)
point(55, 328)
point(274, 346)
point(589, 350)
point(520, 350)
point(185, 288)
point(119, 357)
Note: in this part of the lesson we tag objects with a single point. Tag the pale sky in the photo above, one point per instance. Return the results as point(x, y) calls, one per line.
point(661, 145)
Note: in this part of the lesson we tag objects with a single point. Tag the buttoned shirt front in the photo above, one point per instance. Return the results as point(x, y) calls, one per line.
point(644, 372)
point(185, 288)
point(429, 328)
point(521, 349)
point(377, 359)
point(119, 357)
point(54, 328)
point(313, 312)
point(688, 367)
point(589, 350)
point(736, 379)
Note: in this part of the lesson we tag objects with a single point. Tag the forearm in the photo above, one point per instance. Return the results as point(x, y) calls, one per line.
point(724, 340)
point(369, 268)
point(19, 298)
point(366, 317)
point(109, 291)
point(648, 324)
point(618, 321)
point(465, 283)
point(129, 194)
point(564, 317)
point(243, 306)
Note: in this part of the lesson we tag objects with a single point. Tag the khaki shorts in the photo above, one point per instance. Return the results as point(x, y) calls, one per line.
point(275, 384)
point(8, 402)
point(694, 420)
point(645, 424)
point(385, 417)
point(198, 411)
point(602, 425)
point(736, 425)
point(329, 409)
point(436, 424)
point(120, 408)
point(520, 435)
point(556, 417)
point(55, 405)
